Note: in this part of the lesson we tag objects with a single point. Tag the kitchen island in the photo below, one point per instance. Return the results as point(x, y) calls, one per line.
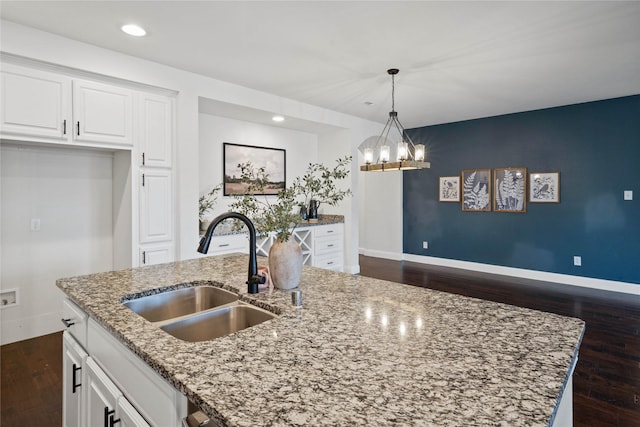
point(359, 351)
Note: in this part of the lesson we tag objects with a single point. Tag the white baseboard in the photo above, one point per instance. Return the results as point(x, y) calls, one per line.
point(585, 282)
point(382, 254)
point(30, 327)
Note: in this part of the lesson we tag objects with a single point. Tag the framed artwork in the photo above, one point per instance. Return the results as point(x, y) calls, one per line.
point(510, 190)
point(272, 159)
point(449, 189)
point(476, 190)
point(544, 187)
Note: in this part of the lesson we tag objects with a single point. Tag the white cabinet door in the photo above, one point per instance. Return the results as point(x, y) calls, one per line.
point(35, 103)
point(156, 130)
point(155, 206)
point(73, 379)
point(101, 397)
point(128, 415)
point(102, 113)
point(156, 254)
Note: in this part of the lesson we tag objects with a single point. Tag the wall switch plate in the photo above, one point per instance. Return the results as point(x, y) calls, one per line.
point(577, 261)
point(425, 245)
point(628, 195)
point(35, 224)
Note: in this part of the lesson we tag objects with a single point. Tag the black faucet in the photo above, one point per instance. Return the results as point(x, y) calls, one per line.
point(253, 279)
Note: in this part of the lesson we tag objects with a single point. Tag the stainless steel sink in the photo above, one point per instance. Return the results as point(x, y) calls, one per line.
point(217, 323)
point(181, 302)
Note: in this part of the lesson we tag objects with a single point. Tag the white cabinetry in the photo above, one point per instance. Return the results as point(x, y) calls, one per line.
point(35, 103)
point(156, 130)
point(102, 113)
point(322, 245)
point(41, 106)
point(73, 374)
point(105, 384)
point(328, 246)
point(156, 216)
point(106, 405)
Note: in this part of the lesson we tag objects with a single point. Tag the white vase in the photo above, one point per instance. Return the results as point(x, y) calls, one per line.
point(285, 264)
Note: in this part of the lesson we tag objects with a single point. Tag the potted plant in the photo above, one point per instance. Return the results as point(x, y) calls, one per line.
point(318, 185)
point(281, 214)
point(206, 203)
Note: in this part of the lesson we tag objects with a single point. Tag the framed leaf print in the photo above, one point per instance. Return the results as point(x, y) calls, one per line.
point(544, 187)
point(449, 189)
point(510, 190)
point(476, 190)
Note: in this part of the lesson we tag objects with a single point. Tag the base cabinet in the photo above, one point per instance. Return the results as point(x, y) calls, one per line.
point(106, 405)
point(73, 374)
point(106, 385)
point(322, 245)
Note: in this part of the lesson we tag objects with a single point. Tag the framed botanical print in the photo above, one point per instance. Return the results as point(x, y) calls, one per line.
point(476, 190)
point(544, 187)
point(449, 189)
point(510, 190)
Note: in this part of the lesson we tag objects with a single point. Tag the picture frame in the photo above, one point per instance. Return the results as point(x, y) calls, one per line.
point(274, 160)
point(449, 189)
point(544, 187)
point(510, 190)
point(476, 190)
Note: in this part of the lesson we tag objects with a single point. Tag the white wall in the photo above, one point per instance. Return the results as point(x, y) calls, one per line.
point(70, 192)
point(301, 149)
point(381, 214)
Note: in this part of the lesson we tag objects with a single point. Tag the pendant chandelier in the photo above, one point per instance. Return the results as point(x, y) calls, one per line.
point(406, 156)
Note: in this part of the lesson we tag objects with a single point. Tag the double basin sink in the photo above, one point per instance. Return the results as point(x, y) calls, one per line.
point(198, 313)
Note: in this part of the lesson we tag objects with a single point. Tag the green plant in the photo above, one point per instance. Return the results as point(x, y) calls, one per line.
point(208, 201)
point(280, 215)
point(268, 215)
point(319, 183)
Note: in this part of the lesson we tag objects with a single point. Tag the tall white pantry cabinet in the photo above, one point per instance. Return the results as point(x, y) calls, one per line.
point(48, 105)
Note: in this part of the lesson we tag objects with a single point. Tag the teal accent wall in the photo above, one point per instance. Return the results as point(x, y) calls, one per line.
point(596, 148)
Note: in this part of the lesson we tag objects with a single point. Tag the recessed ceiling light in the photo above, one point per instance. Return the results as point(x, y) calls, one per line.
point(277, 118)
point(134, 30)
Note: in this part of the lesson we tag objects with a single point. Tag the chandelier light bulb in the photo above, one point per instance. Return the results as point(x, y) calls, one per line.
point(385, 153)
point(403, 150)
point(368, 155)
point(419, 153)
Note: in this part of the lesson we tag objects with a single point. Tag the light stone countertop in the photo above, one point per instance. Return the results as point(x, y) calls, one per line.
point(359, 351)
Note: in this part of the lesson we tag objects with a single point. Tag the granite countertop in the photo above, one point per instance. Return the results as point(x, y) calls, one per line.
point(359, 351)
point(226, 227)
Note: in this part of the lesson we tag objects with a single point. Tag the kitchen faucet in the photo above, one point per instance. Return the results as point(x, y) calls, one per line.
point(253, 279)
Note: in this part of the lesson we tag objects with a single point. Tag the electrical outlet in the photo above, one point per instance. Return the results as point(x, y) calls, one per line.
point(628, 194)
point(35, 224)
point(425, 245)
point(577, 261)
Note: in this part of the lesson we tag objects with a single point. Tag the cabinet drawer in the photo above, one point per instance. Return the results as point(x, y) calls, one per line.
point(329, 262)
point(327, 244)
point(229, 243)
point(75, 320)
point(328, 230)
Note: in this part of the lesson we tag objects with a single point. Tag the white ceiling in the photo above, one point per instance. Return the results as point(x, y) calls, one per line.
point(457, 60)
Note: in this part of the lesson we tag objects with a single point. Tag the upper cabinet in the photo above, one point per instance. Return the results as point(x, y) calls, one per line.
point(35, 103)
point(41, 106)
point(102, 113)
point(156, 130)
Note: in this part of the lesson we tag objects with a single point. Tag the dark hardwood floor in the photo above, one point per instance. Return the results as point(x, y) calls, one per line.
point(606, 384)
point(606, 380)
point(31, 376)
